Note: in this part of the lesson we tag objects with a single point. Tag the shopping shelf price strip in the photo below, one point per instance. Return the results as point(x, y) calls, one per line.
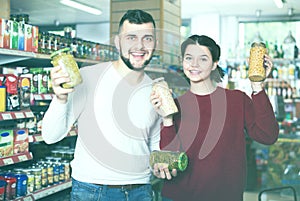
point(41, 97)
point(16, 115)
point(15, 159)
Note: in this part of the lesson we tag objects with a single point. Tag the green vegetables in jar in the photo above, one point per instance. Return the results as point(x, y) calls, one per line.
point(66, 60)
point(175, 160)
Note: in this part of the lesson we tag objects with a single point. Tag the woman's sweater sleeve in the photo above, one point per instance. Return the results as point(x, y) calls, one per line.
point(261, 123)
point(169, 140)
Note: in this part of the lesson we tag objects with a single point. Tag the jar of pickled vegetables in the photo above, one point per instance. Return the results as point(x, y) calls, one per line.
point(175, 160)
point(257, 71)
point(65, 59)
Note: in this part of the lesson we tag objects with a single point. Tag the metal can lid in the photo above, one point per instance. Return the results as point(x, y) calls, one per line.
point(182, 161)
point(66, 49)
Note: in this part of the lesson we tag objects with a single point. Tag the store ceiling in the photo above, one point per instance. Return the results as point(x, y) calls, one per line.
point(50, 12)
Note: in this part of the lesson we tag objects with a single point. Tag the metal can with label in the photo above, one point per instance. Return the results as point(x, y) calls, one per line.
point(30, 181)
point(21, 187)
point(10, 189)
point(2, 189)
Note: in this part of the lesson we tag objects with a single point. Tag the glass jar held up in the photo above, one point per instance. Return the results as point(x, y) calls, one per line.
point(257, 71)
point(65, 59)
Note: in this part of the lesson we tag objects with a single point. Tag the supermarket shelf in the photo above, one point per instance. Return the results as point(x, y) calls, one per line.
point(12, 115)
point(39, 138)
point(46, 191)
point(15, 159)
point(9, 57)
point(291, 140)
point(43, 97)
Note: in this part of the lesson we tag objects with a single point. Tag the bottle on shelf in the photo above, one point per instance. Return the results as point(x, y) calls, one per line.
point(289, 46)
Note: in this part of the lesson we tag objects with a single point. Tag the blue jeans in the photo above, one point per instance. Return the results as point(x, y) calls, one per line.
point(82, 191)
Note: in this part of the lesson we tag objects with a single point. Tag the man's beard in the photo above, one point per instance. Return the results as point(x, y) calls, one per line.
point(130, 66)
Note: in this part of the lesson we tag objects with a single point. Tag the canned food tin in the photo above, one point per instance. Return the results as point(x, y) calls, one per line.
point(257, 70)
point(10, 190)
point(30, 181)
point(2, 189)
point(21, 187)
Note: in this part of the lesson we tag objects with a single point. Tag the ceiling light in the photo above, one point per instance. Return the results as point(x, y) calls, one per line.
point(258, 13)
point(291, 11)
point(279, 3)
point(82, 7)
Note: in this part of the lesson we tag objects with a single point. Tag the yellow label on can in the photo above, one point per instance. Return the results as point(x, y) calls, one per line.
point(2, 98)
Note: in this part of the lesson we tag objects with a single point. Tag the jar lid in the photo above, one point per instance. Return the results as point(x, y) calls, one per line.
point(67, 49)
point(258, 44)
point(182, 161)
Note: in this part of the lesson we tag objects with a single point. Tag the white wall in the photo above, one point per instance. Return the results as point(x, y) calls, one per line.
point(94, 32)
point(208, 24)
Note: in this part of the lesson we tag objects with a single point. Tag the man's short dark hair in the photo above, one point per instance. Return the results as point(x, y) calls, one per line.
point(136, 17)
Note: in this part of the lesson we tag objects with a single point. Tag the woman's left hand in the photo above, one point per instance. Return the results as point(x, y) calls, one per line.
point(268, 64)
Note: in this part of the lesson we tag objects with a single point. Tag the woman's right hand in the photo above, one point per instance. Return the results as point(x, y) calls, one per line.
point(156, 102)
point(58, 77)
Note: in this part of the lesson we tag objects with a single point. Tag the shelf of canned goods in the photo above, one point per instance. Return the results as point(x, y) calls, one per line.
point(14, 57)
point(46, 191)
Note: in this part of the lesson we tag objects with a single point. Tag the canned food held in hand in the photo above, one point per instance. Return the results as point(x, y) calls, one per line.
point(175, 160)
point(257, 71)
point(65, 59)
point(168, 105)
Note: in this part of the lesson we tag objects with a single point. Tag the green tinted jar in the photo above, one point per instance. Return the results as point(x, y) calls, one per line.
point(175, 160)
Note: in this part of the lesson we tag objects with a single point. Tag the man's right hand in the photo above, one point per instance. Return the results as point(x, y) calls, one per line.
point(161, 170)
point(58, 77)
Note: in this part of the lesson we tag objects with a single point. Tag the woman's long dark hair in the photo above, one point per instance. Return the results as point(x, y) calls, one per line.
point(217, 74)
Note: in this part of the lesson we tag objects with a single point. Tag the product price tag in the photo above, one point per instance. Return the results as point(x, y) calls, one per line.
point(22, 158)
point(38, 97)
point(29, 198)
point(48, 97)
point(29, 114)
point(38, 138)
point(6, 116)
point(19, 115)
point(30, 138)
point(8, 161)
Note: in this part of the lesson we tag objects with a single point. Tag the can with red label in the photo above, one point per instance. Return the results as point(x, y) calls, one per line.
point(2, 189)
point(10, 190)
